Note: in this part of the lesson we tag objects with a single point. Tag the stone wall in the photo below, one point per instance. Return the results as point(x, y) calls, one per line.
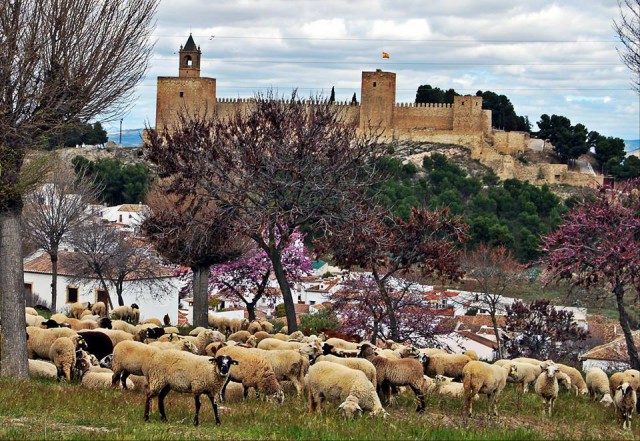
point(510, 143)
point(183, 94)
point(423, 116)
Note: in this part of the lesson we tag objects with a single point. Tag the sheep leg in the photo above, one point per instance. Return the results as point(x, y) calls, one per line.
point(196, 398)
point(492, 403)
point(123, 379)
point(147, 403)
point(223, 391)
point(115, 378)
point(420, 396)
point(163, 393)
point(215, 407)
point(312, 403)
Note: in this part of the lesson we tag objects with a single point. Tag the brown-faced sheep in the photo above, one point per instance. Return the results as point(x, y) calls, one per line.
point(450, 365)
point(547, 387)
point(630, 376)
point(186, 373)
point(253, 371)
point(479, 377)
point(625, 399)
point(334, 382)
point(400, 372)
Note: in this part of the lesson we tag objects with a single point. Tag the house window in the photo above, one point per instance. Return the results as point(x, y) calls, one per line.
point(312, 302)
point(102, 296)
point(72, 294)
point(28, 293)
point(374, 84)
point(181, 94)
point(120, 217)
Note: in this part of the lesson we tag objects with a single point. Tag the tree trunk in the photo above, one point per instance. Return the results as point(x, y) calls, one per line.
point(497, 334)
point(200, 295)
point(251, 310)
point(54, 280)
point(281, 277)
point(119, 289)
point(393, 322)
point(14, 339)
point(626, 329)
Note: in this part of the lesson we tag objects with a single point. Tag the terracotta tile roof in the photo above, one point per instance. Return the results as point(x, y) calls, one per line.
point(134, 208)
point(612, 351)
point(183, 319)
point(603, 328)
point(435, 294)
point(301, 309)
point(445, 325)
point(475, 322)
point(483, 341)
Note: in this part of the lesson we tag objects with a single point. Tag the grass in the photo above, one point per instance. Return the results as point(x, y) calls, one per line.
point(39, 409)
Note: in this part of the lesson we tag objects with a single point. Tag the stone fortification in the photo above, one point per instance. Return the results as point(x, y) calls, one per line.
point(464, 122)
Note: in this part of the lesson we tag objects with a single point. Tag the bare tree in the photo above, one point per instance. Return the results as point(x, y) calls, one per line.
point(195, 232)
point(493, 272)
point(628, 29)
point(279, 163)
point(53, 211)
point(60, 61)
point(113, 257)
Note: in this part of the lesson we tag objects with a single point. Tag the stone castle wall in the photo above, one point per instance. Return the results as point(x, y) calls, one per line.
point(177, 95)
point(409, 116)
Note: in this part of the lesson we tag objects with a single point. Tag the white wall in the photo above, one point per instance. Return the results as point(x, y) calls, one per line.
point(132, 293)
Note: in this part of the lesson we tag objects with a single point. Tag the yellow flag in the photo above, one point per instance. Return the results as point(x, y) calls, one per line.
point(385, 55)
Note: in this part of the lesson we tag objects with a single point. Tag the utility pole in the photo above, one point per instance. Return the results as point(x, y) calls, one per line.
point(120, 133)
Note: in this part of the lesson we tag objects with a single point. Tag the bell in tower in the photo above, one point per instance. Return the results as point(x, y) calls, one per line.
point(190, 59)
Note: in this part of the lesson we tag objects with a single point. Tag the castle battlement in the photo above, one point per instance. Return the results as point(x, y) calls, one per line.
point(430, 105)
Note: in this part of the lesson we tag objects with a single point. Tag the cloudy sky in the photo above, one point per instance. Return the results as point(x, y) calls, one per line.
point(554, 57)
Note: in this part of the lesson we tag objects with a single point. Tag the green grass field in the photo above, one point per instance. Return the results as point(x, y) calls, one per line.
point(39, 409)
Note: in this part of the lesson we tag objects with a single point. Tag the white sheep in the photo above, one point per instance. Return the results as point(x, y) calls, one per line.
point(334, 382)
point(197, 330)
point(130, 357)
point(34, 320)
point(450, 365)
point(526, 373)
point(288, 365)
point(186, 373)
point(42, 369)
point(77, 309)
point(483, 378)
point(597, 383)
point(30, 311)
point(547, 387)
point(577, 382)
point(625, 399)
point(354, 363)
point(350, 407)
point(40, 340)
point(342, 344)
point(63, 355)
point(99, 308)
point(204, 338)
point(96, 380)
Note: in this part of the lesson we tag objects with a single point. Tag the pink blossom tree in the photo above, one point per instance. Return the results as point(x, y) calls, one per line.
point(247, 277)
point(599, 245)
point(362, 309)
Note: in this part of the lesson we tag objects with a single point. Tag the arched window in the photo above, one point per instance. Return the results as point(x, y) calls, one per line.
point(188, 61)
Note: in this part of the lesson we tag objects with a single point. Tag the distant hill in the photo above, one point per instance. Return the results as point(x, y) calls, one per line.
point(130, 137)
point(631, 144)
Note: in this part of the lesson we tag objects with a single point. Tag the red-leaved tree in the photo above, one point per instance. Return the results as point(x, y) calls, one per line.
point(387, 246)
point(598, 244)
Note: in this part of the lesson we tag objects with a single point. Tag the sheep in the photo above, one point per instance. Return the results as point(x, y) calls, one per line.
point(90, 318)
point(180, 345)
point(267, 326)
point(254, 327)
point(120, 336)
point(58, 317)
point(30, 311)
point(360, 364)
point(400, 372)
point(251, 341)
point(240, 336)
point(274, 343)
point(126, 313)
point(130, 357)
point(153, 320)
point(42, 369)
point(220, 323)
point(547, 387)
point(331, 381)
point(78, 325)
point(577, 382)
point(40, 340)
point(432, 351)
point(99, 308)
point(350, 407)
point(445, 386)
point(479, 377)
point(526, 373)
point(77, 309)
point(197, 330)
point(288, 365)
point(171, 330)
point(284, 330)
point(341, 344)
point(261, 335)
point(532, 361)
point(98, 343)
point(471, 354)
point(597, 383)
point(238, 324)
point(630, 376)
point(187, 373)
point(121, 325)
point(102, 381)
point(34, 320)
point(63, 354)
point(254, 371)
point(625, 399)
point(204, 338)
point(295, 336)
point(564, 380)
point(450, 365)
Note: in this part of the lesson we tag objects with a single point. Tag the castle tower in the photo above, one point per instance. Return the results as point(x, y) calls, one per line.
point(190, 59)
point(468, 114)
point(188, 93)
point(378, 99)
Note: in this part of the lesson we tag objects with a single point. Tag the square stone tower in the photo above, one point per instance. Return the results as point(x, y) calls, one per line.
point(187, 93)
point(378, 99)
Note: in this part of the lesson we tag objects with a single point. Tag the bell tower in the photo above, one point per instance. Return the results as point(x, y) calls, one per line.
point(190, 59)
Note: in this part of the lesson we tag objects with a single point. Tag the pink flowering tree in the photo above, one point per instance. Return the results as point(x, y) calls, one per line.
point(598, 245)
point(362, 310)
point(247, 277)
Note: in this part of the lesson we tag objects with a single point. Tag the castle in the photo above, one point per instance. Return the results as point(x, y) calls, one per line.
point(462, 123)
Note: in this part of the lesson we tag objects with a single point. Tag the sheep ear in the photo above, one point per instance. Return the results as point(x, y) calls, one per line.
point(235, 362)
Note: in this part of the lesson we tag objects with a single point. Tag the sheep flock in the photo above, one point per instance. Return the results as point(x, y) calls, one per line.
point(152, 358)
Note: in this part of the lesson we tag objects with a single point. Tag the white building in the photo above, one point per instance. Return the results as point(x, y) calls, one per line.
point(154, 300)
point(129, 215)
